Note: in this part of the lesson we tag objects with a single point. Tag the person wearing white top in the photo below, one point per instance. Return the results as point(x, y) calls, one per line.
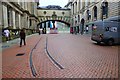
point(7, 33)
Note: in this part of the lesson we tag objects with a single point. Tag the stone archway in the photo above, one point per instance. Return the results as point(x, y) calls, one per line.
point(45, 24)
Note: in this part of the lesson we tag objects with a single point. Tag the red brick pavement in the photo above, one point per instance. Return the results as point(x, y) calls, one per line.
point(18, 66)
point(44, 67)
point(77, 54)
point(82, 58)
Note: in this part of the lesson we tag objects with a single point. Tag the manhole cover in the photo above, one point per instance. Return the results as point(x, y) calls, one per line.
point(20, 54)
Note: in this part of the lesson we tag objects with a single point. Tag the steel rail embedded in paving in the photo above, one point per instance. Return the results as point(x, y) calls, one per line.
point(53, 60)
point(34, 73)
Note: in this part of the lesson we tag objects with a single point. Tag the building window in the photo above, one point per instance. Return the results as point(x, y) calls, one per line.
point(78, 18)
point(44, 12)
point(73, 8)
point(104, 7)
point(30, 21)
point(9, 13)
point(88, 2)
point(63, 13)
point(88, 15)
point(95, 13)
point(75, 20)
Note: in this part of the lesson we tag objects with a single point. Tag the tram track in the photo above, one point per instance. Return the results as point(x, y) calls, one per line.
point(51, 58)
point(32, 67)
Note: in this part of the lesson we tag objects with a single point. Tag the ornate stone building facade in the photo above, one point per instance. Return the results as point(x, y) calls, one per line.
point(18, 14)
point(91, 10)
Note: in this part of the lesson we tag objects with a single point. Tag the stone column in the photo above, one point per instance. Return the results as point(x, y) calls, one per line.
point(71, 9)
point(10, 18)
point(1, 25)
point(5, 18)
point(22, 21)
point(16, 20)
point(19, 18)
point(25, 20)
point(44, 27)
point(76, 7)
point(13, 13)
point(1, 14)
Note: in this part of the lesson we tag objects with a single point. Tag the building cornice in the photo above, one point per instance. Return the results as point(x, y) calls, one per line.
point(15, 7)
point(32, 15)
point(69, 3)
point(50, 9)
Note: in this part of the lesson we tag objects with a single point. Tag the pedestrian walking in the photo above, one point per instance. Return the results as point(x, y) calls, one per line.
point(7, 33)
point(39, 31)
point(22, 37)
point(82, 26)
point(87, 29)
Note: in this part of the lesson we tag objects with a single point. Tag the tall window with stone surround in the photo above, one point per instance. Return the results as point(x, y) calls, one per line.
point(94, 13)
point(9, 14)
point(88, 14)
point(104, 7)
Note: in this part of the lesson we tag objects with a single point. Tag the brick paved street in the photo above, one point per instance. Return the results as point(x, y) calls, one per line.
point(77, 54)
point(82, 57)
point(17, 66)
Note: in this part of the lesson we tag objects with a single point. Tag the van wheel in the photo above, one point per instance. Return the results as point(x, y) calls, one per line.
point(110, 42)
point(98, 43)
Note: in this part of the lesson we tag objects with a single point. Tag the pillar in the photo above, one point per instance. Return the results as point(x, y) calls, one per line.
point(14, 26)
point(5, 18)
point(1, 15)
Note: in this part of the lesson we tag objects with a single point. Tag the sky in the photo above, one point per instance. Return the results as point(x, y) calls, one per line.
point(61, 3)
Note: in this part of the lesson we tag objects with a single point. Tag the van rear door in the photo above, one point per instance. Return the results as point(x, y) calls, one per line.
point(97, 30)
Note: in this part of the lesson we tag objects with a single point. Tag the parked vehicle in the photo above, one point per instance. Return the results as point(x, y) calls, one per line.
point(107, 31)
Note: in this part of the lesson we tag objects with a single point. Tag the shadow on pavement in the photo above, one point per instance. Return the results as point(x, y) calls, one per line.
point(103, 44)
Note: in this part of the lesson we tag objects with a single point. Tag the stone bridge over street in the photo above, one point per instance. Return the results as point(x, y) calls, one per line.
point(60, 15)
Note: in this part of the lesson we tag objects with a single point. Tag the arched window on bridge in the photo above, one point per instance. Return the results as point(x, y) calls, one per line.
point(54, 16)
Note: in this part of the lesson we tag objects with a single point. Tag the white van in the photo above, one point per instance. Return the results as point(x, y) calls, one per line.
point(107, 31)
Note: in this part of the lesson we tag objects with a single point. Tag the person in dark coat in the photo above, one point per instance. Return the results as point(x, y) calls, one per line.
point(22, 37)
